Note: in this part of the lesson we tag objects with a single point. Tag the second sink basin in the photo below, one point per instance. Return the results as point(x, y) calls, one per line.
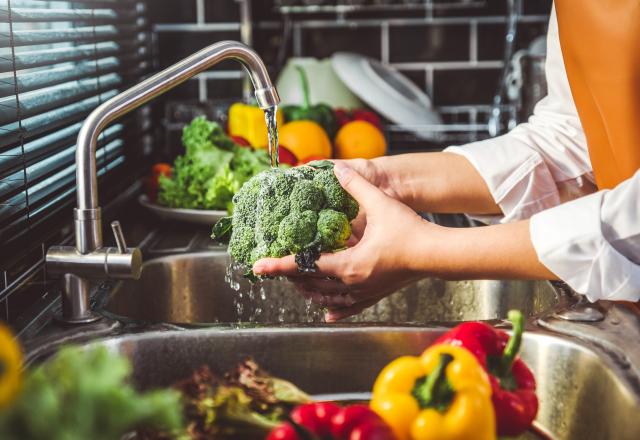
point(582, 395)
point(194, 289)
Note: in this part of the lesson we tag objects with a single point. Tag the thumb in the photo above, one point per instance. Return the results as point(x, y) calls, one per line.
point(360, 189)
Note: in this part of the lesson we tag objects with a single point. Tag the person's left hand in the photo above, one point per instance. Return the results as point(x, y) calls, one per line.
point(387, 253)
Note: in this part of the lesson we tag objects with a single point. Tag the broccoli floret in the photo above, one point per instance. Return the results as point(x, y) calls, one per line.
point(242, 243)
point(297, 230)
point(333, 229)
point(336, 197)
point(302, 211)
point(306, 196)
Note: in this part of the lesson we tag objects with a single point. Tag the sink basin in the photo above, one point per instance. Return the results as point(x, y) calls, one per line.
point(582, 394)
point(191, 289)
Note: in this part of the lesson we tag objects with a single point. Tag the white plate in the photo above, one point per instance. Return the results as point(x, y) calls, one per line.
point(198, 216)
point(387, 91)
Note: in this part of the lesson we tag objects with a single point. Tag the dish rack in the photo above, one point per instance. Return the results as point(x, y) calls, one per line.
point(460, 125)
point(343, 7)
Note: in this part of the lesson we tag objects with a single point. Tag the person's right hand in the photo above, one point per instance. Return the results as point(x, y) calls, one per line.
point(375, 172)
point(387, 252)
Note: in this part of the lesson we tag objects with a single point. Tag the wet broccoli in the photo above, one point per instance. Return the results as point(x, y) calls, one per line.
point(302, 211)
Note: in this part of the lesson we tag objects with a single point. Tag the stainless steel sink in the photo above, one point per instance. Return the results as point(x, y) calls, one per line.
point(191, 289)
point(582, 394)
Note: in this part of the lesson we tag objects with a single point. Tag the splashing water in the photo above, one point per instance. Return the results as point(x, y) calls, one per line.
point(272, 132)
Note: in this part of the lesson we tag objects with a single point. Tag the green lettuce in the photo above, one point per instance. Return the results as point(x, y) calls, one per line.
point(212, 169)
point(85, 394)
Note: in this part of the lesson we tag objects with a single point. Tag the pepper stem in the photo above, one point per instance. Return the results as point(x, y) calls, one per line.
point(514, 343)
point(304, 82)
point(433, 390)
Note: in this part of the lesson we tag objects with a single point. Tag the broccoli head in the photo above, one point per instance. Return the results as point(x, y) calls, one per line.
point(302, 211)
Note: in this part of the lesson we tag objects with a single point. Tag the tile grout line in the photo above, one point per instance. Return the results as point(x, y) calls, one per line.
point(428, 76)
point(384, 43)
point(202, 89)
point(473, 41)
point(200, 14)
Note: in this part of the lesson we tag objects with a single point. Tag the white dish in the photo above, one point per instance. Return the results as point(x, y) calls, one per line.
point(387, 91)
point(324, 85)
point(197, 216)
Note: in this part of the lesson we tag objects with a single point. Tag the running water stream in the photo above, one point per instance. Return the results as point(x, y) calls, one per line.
point(272, 132)
point(260, 307)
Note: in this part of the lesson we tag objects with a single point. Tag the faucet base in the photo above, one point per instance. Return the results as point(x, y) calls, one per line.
point(92, 317)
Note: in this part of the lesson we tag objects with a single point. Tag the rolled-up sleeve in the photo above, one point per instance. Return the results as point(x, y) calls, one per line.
point(524, 168)
point(593, 243)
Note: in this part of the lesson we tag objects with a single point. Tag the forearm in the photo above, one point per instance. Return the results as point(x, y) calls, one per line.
point(436, 182)
point(493, 252)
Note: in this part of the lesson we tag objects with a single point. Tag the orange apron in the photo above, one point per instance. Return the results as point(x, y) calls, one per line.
point(600, 42)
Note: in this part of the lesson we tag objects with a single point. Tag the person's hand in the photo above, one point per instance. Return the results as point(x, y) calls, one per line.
point(387, 247)
point(375, 172)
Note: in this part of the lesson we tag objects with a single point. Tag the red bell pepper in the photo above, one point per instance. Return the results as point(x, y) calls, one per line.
point(327, 421)
point(513, 385)
point(344, 116)
point(152, 182)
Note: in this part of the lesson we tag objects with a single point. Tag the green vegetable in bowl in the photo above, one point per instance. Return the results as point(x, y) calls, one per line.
point(302, 211)
point(84, 394)
point(211, 171)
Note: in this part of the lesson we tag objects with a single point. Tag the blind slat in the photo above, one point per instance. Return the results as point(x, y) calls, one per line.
point(39, 124)
point(71, 35)
point(47, 57)
point(39, 101)
point(49, 165)
point(29, 15)
point(59, 60)
point(30, 81)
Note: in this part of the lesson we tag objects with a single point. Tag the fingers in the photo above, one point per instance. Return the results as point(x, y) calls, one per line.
point(364, 192)
point(285, 266)
point(321, 285)
point(337, 314)
point(329, 265)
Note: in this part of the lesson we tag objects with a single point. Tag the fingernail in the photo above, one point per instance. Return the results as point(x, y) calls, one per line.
point(341, 170)
point(258, 268)
point(330, 317)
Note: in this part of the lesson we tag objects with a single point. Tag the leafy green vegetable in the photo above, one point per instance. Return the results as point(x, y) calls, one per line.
point(211, 171)
point(302, 211)
point(84, 394)
point(246, 403)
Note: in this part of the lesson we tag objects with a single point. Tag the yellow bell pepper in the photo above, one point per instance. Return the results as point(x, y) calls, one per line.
point(10, 366)
point(442, 395)
point(248, 121)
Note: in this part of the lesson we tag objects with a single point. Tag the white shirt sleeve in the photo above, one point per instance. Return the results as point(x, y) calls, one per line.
point(525, 168)
point(592, 242)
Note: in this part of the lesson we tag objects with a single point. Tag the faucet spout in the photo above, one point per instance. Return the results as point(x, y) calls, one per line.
point(87, 213)
point(89, 259)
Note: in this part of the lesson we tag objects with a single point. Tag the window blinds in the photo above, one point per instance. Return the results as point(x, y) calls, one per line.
point(58, 61)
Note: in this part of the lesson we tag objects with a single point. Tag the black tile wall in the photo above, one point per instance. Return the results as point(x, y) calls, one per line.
point(469, 86)
point(418, 77)
point(173, 11)
point(537, 7)
point(226, 89)
point(465, 41)
point(432, 42)
point(491, 38)
point(321, 43)
point(176, 45)
point(221, 11)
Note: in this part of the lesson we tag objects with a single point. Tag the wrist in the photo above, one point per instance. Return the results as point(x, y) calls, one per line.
point(426, 247)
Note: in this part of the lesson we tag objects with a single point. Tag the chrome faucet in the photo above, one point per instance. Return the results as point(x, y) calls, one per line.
point(89, 259)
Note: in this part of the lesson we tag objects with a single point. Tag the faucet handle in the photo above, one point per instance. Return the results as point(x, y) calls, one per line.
point(119, 236)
